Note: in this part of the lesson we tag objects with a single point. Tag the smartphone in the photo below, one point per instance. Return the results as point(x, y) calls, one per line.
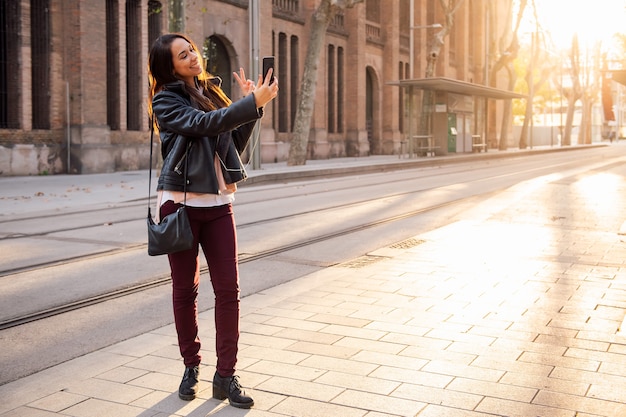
point(268, 62)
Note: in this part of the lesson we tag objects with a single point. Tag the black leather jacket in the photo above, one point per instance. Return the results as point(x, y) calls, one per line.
point(183, 128)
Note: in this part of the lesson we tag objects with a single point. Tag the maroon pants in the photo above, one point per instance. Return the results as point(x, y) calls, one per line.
point(213, 230)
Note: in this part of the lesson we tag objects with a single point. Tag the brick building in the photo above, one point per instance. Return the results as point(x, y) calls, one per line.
point(73, 72)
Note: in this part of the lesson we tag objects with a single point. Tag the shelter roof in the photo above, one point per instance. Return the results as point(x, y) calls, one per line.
point(456, 86)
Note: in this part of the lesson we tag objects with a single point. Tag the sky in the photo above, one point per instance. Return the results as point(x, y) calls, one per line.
point(593, 20)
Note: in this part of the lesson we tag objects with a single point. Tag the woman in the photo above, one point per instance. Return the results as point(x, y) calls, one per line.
point(202, 134)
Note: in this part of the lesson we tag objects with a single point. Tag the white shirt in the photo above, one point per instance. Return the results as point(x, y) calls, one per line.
point(225, 195)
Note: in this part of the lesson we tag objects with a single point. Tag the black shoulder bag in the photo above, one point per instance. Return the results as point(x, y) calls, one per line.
point(173, 233)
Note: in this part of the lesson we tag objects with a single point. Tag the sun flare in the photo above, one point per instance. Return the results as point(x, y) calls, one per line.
point(593, 21)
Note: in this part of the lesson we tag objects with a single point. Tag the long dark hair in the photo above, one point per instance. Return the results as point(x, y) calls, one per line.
point(161, 72)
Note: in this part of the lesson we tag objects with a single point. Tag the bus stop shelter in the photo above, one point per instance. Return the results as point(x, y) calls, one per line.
point(458, 115)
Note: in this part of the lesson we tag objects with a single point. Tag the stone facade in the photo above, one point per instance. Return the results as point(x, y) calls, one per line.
point(97, 81)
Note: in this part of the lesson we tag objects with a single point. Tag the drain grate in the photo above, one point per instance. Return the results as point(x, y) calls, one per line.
point(362, 261)
point(407, 244)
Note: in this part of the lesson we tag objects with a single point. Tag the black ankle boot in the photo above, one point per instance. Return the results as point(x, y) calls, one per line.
point(229, 387)
point(189, 385)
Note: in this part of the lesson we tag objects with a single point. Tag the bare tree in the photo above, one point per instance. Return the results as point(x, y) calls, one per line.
point(509, 45)
point(538, 72)
point(449, 8)
point(590, 86)
point(574, 93)
point(176, 16)
point(321, 18)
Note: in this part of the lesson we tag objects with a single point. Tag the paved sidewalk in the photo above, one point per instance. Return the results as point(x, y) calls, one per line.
point(513, 312)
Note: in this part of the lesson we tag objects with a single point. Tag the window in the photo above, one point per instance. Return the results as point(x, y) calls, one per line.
point(369, 106)
point(283, 97)
point(334, 89)
point(9, 64)
point(330, 89)
point(40, 58)
point(340, 65)
point(218, 62)
point(134, 66)
point(294, 70)
point(155, 19)
point(113, 64)
point(401, 76)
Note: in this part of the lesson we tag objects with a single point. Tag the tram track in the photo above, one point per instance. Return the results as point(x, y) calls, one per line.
point(165, 279)
point(136, 203)
point(160, 280)
point(115, 251)
point(241, 226)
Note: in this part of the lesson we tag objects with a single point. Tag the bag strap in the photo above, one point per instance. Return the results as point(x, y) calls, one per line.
point(150, 167)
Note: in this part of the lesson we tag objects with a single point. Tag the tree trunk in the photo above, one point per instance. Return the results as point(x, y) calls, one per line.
point(505, 61)
point(569, 120)
point(523, 137)
point(575, 93)
point(590, 88)
point(304, 112)
point(507, 111)
point(320, 20)
point(528, 113)
point(177, 16)
point(584, 137)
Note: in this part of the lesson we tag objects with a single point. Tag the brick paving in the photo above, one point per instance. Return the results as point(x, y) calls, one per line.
point(512, 311)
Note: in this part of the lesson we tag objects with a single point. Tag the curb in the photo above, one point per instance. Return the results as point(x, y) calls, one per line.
point(289, 174)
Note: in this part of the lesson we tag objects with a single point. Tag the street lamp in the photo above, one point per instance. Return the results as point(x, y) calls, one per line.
point(412, 27)
point(254, 31)
point(532, 88)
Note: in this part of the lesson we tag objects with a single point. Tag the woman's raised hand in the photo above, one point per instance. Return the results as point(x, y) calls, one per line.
point(247, 86)
point(264, 92)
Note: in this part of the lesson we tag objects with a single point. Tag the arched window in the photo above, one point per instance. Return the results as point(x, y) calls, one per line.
point(372, 110)
point(217, 61)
